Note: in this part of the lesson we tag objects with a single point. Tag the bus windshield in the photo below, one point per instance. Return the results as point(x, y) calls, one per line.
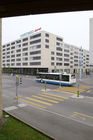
point(72, 76)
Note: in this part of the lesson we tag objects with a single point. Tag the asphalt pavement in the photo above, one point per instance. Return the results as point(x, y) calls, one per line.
point(57, 112)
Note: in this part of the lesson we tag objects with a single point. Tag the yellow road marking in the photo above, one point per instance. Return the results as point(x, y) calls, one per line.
point(74, 115)
point(32, 103)
point(84, 115)
point(45, 99)
point(38, 101)
point(19, 96)
point(66, 91)
point(88, 91)
point(51, 97)
point(71, 90)
point(56, 95)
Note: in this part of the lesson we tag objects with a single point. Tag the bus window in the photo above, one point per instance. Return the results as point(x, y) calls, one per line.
point(65, 78)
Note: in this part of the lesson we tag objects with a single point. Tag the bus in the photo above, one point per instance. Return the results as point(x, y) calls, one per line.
point(62, 79)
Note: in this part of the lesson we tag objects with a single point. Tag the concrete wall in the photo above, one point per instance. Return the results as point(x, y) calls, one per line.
point(0, 69)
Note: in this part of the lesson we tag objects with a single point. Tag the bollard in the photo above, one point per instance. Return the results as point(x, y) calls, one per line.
point(78, 93)
point(45, 87)
point(17, 84)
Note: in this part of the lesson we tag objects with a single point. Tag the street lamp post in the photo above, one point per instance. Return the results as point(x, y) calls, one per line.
point(80, 63)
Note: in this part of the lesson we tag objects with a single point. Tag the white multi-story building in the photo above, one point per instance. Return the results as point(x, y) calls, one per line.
point(43, 51)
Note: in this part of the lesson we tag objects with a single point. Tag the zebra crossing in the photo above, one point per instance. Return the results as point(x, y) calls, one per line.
point(43, 100)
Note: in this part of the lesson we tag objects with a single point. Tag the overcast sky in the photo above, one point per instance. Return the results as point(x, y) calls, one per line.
point(72, 26)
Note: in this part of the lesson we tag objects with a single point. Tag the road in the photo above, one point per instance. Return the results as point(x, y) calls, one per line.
point(57, 112)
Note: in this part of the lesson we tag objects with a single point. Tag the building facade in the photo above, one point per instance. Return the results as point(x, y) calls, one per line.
point(41, 51)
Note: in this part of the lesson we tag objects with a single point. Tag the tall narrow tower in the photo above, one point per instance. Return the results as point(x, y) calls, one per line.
point(91, 40)
point(0, 69)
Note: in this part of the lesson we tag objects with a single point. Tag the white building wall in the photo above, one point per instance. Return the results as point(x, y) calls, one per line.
point(57, 55)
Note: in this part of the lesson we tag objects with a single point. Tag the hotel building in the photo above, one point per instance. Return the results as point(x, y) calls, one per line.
point(43, 51)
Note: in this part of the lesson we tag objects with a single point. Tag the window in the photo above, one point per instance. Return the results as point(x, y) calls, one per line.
point(3, 46)
point(24, 44)
point(3, 49)
point(18, 41)
point(52, 58)
point(47, 35)
point(46, 40)
point(36, 52)
point(66, 59)
point(18, 46)
point(12, 43)
point(75, 64)
point(75, 56)
point(8, 45)
point(35, 58)
point(66, 64)
point(25, 58)
point(35, 41)
point(58, 59)
point(8, 60)
point(13, 51)
point(8, 52)
point(71, 62)
point(25, 54)
point(18, 50)
point(46, 46)
point(35, 36)
point(59, 39)
point(52, 63)
point(71, 53)
point(13, 47)
point(8, 56)
point(25, 49)
point(12, 64)
point(59, 54)
point(71, 66)
point(35, 47)
point(25, 39)
point(35, 63)
point(66, 50)
point(18, 55)
point(12, 60)
point(25, 64)
point(65, 77)
point(12, 55)
point(75, 60)
point(18, 64)
point(59, 64)
point(59, 49)
point(66, 55)
point(18, 59)
point(52, 53)
point(8, 49)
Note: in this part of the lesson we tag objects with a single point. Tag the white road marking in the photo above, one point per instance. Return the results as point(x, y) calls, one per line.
point(22, 105)
point(10, 108)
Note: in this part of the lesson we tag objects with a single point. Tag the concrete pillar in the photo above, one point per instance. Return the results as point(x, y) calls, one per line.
point(0, 67)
